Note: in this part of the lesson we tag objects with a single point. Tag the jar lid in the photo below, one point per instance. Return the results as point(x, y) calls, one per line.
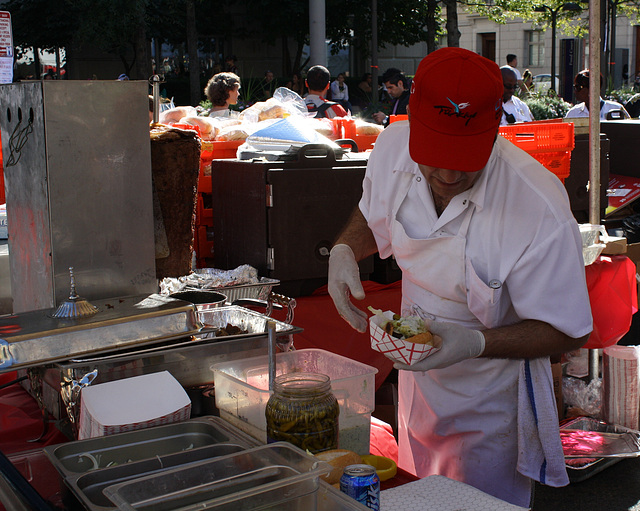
point(302, 382)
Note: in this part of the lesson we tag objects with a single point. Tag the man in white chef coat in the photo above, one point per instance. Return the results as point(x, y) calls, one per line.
point(492, 257)
point(513, 108)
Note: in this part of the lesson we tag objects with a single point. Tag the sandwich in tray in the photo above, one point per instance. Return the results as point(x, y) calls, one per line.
point(403, 339)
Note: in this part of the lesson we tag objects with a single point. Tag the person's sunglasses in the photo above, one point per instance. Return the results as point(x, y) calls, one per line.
point(579, 87)
point(511, 87)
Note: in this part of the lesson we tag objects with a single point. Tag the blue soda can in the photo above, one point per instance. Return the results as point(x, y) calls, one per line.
point(362, 483)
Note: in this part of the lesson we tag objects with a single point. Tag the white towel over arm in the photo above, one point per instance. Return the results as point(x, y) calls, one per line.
point(540, 455)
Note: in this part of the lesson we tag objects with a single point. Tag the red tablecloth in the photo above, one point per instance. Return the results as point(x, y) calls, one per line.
point(325, 329)
point(613, 292)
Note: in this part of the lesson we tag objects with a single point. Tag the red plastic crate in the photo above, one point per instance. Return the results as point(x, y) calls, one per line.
point(549, 143)
point(204, 215)
point(203, 246)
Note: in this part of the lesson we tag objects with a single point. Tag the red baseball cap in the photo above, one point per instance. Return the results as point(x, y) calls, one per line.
point(455, 108)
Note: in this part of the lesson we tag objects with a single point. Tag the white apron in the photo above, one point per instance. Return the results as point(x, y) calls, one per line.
point(461, 421)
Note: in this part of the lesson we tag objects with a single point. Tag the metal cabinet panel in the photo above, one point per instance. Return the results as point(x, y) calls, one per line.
point(77, 168)
point(283, 217)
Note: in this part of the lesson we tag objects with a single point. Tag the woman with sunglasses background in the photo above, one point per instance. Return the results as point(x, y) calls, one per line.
point(608, 109)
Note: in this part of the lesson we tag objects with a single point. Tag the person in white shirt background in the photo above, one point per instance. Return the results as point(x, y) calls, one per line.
point(581, 109)
point(340, 92)
point(513, 108)
point(512, 62)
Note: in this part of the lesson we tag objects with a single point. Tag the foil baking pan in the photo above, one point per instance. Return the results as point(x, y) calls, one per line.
point(616, 443)
point(36, 337)
point(255, 291)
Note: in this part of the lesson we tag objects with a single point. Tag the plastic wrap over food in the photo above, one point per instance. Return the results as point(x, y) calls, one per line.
point(289, 132)
point(585, 397)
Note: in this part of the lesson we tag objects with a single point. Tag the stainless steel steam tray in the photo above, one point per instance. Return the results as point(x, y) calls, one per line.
point(36, 337)
point(89, 466)
point(249, 321)
point(212, 321)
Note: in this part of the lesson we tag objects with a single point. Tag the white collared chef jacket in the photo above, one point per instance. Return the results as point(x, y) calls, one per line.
point(522, 233)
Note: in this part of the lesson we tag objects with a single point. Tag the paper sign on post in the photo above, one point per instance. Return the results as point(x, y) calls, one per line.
point(6, 48)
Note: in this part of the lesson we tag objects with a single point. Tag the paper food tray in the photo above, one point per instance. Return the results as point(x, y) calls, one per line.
point(395, 349)
point(442, 494)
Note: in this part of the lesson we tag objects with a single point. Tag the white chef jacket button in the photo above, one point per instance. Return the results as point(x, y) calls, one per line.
point(418, 178)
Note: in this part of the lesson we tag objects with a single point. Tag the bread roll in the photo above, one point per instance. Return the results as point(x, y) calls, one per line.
point(208, 127)
point(177, 113)
point(232, 133)
point(338, 459)
point(367, 128)
point(272, 112)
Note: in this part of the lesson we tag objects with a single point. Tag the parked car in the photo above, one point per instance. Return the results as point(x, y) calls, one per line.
point(542, 83)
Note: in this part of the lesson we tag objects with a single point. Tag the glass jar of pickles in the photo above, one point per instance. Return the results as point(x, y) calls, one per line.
point(303, 411)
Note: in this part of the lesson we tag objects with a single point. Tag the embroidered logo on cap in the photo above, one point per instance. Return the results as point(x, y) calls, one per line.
point(458, 107)
point(455, 111)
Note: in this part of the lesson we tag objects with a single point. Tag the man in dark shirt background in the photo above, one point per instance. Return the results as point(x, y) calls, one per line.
point(398, 89)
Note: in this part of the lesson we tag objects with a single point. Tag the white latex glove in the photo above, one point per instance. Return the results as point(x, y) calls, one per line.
point(458, 343)
point(344, 282)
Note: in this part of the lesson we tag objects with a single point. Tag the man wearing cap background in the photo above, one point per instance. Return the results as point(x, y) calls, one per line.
point(492, 259)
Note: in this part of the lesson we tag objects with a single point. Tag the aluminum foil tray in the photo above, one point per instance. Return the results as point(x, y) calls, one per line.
point(256, 291)
point(252, 322)
point(35, 338)
point(605, 444)
point(259, 291)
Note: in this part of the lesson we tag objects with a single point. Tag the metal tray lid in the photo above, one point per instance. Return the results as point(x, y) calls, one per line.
point(35, 338)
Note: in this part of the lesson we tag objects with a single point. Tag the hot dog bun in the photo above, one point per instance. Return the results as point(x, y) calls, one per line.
point(338, 459)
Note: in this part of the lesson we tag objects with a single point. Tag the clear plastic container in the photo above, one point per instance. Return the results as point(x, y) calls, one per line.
point(268, 476)
point(242, 392)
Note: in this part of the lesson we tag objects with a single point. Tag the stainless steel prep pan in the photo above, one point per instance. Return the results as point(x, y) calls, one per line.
point(89, 466)
point(188, 359)
point(36, 338)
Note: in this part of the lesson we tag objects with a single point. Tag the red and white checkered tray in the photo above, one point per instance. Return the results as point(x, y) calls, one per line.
point(398, 350)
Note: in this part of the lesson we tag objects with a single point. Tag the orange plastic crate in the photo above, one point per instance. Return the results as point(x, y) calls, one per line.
point(549, 143)
point(219, 149)
point(365, 142)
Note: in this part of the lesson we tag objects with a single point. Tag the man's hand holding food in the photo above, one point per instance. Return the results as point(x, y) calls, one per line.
point(458, 343)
